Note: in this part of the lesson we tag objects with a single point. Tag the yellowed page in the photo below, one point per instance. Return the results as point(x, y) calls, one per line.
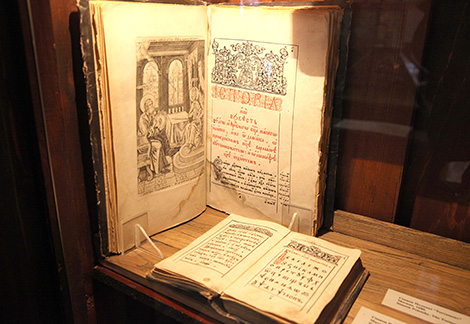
point(222, 254)
point(300, 276)
point(155, 57)
point(266, 75)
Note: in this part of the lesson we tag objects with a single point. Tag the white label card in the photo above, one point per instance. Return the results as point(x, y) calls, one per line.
point(368, 316)
point(422, 309)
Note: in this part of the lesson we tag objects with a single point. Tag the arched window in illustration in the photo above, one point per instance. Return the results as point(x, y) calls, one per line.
point(175, 83)
point(150, 81)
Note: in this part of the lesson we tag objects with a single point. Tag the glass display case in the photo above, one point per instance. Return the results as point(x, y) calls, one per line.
point(398, 179)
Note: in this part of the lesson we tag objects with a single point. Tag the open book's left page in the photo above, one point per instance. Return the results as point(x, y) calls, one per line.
point(150, 61)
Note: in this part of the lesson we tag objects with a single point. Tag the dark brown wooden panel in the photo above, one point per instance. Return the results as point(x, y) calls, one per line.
point(29, 277)
point(436, 195)
point(48, 30)
point(386, 45)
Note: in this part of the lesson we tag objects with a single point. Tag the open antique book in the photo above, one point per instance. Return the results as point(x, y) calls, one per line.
point(227, 106)
point(245, 266)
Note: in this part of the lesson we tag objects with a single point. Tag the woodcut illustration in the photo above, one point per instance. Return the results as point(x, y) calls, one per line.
point(250, 65)
point(170, 112)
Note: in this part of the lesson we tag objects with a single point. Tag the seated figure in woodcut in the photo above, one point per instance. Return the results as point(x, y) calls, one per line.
point(152, 125)
point(193, 130)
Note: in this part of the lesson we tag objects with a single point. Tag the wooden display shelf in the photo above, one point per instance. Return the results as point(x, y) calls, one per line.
point(422, 265)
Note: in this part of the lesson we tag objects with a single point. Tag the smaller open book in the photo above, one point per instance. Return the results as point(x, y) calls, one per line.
point(244, 266)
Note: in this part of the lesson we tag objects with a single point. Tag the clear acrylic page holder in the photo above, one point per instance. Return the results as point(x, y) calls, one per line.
point(140, 230)
point(292, 221)
point(134, 233)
